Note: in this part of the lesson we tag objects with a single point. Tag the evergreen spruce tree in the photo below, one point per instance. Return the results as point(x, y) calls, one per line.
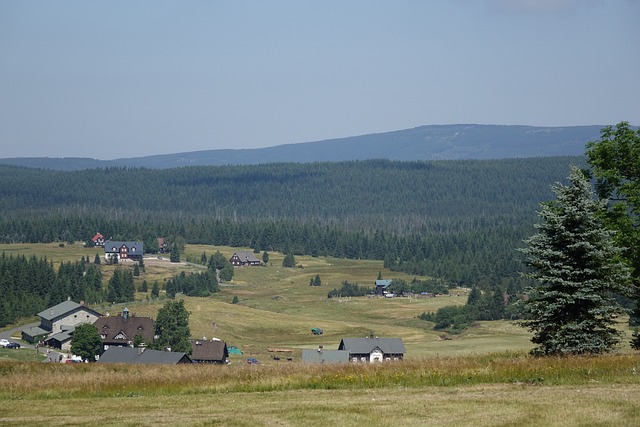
point(96, 260)
point(289, 260)
point(576, 266)
point(155, 289)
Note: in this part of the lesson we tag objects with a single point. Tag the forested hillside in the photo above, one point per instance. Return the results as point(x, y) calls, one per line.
point(433, 142)
point(458, 220)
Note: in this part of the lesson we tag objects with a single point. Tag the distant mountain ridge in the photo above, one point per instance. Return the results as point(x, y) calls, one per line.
point(429, 142)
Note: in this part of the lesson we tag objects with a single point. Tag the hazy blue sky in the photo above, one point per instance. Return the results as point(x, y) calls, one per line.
point(109, 79)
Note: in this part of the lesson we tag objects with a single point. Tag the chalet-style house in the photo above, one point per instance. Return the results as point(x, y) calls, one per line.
point(59, 318)
point(373, 349)
point(121, 330)
point(143, 356)
point(98, 240)
point(163, 246)
point(123, 250)
point(243, 258)
point(381, 286)
point(214, 351)
point(320, 355)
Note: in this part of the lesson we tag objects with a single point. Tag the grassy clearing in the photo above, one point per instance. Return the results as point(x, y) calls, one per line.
point(445, 380)
point(507, 389)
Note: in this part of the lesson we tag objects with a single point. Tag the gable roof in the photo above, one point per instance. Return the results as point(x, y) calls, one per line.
point(209, 351)
point(121, 330)
point(385, 283)
point(246, 256)
point(64, 308)
point(97, 237)
point(367, 345)
point(64, 336)
point(135, 248)
point(141, 356)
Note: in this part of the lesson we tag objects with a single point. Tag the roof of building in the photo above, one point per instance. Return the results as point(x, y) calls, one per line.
point(97, 237)
point(383, 282)
point(325, 356)
point(211, 351)
point(246, 256)
point(65, 335)
point(367, 345)
point(142, 356)
point(34, 331)
point(122, 329)
point(63, 309)
point(135, 248)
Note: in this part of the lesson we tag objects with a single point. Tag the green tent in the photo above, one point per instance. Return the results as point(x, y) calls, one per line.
point(234, 350)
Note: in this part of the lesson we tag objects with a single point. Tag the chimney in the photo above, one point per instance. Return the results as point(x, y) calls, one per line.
point(125, 313)
point(320, 347)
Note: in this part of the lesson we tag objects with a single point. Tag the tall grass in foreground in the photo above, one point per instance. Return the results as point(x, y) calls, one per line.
point(37, 380)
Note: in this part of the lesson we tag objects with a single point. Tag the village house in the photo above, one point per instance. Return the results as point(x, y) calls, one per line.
point(143, 356)
point(121, 330)
point(373, 349)
point(243, 258)
point(213, 351)
point(381, 286)
point(59, 318)
point(98, 240)
point(163, 247)
point(123, 250)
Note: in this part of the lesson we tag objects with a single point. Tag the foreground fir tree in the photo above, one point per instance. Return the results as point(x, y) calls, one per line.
point(576, 265)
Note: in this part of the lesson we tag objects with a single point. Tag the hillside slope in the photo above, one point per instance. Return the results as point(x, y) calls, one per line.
point(434, 142)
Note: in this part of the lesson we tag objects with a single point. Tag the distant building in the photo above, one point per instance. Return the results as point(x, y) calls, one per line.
point(320, 355)
point(98, 240)
point(143, 356)
point(163, 247)
point(214, 351)
point(382, 285)
point(123, 250)
point(121, 330)
point(243, 258)
point(373, 349)
point(59, 318)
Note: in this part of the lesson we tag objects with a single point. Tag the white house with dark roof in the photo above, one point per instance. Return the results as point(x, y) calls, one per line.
point(373, 349)
point(59, 318)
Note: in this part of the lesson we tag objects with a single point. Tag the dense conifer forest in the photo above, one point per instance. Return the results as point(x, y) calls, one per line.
point(459, 221)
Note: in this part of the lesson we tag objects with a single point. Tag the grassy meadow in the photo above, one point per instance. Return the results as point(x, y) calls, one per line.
point(481, 377)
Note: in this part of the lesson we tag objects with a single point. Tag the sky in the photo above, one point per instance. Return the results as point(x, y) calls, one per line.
point(122, 78)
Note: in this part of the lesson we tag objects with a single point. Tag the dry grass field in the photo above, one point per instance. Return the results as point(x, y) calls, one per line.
point(481, 377)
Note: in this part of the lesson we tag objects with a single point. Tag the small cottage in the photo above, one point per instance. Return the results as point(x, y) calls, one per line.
point(372, 349)
point(213, 351)
point(243, 258)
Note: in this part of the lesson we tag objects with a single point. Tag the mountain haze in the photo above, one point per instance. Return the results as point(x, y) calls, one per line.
point(432, 142)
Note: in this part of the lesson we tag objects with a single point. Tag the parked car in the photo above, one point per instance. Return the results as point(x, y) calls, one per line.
point(4, 342)
point(13, 345)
